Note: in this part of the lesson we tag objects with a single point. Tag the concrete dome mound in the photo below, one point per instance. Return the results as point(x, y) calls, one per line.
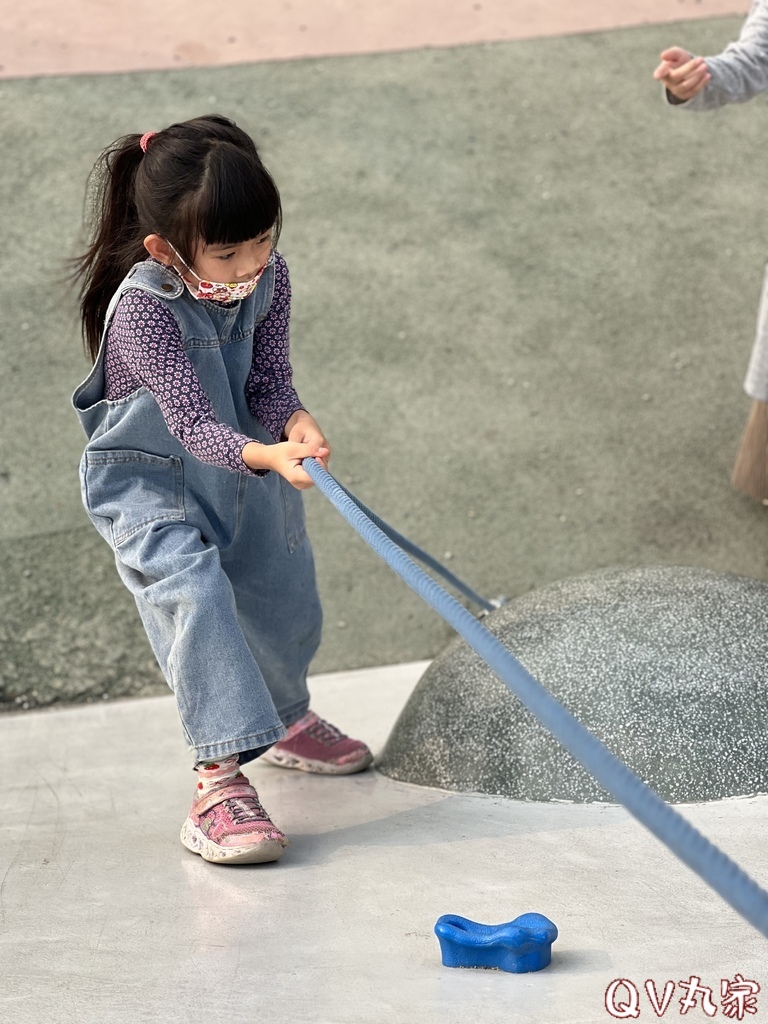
point(668, 666)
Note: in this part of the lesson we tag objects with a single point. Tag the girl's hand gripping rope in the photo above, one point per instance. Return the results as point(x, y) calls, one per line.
point(284, 458)
point(303, 428)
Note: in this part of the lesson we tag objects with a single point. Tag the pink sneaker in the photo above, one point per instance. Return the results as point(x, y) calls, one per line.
point(229, 826)
point(314, 745)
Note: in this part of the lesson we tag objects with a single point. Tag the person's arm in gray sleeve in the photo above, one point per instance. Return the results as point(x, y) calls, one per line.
point(735, 75)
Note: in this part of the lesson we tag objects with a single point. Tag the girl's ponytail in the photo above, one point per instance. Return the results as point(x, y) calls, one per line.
point(116, 235)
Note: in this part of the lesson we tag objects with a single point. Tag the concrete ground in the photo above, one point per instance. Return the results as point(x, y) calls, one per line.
point(107, 919)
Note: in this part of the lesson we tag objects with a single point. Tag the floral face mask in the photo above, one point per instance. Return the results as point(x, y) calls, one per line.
point(219, 291)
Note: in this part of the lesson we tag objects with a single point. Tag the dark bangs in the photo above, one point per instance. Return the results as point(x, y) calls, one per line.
point(235, 201)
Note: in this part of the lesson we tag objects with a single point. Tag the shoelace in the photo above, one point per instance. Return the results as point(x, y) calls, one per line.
point(245, 808)
point(324, 732)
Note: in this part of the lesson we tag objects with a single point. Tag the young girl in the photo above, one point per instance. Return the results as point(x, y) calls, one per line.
point(192, 470)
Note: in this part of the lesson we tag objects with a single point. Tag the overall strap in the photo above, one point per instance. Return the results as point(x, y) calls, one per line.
point(148, 276)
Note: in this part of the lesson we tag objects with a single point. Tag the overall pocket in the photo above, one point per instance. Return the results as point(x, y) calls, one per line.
point(295, 521)
point(125, 491)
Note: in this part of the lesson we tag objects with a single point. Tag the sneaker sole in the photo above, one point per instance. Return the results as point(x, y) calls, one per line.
point(282, 759)
point(257, 853)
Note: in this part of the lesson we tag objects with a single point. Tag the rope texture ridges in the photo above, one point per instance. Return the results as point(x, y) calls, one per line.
point(417, 552)
point(722, 874)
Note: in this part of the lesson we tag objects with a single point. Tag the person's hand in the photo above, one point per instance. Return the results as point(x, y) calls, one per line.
point(285, 458)
point(681, 73)
point(301, 427)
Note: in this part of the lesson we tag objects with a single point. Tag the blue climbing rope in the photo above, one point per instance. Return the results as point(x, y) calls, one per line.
point(707, 860)
point(423, 556)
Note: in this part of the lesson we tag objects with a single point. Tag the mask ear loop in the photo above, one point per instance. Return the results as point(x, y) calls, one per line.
point(187, 267)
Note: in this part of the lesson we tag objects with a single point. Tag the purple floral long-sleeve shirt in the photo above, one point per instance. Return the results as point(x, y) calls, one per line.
point(144, 348)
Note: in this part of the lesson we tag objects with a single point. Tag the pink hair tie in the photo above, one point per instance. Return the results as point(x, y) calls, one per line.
point(145, 140)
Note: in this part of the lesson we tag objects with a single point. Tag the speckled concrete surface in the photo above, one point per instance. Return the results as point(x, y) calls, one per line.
point(492, 321)
point(666, 665)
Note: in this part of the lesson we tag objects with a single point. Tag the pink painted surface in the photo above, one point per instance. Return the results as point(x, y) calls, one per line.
point(47, 37)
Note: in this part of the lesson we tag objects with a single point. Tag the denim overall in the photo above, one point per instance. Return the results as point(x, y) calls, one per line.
point(218, 562)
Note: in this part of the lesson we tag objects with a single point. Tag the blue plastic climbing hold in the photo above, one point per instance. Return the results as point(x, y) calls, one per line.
point(522, 945)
